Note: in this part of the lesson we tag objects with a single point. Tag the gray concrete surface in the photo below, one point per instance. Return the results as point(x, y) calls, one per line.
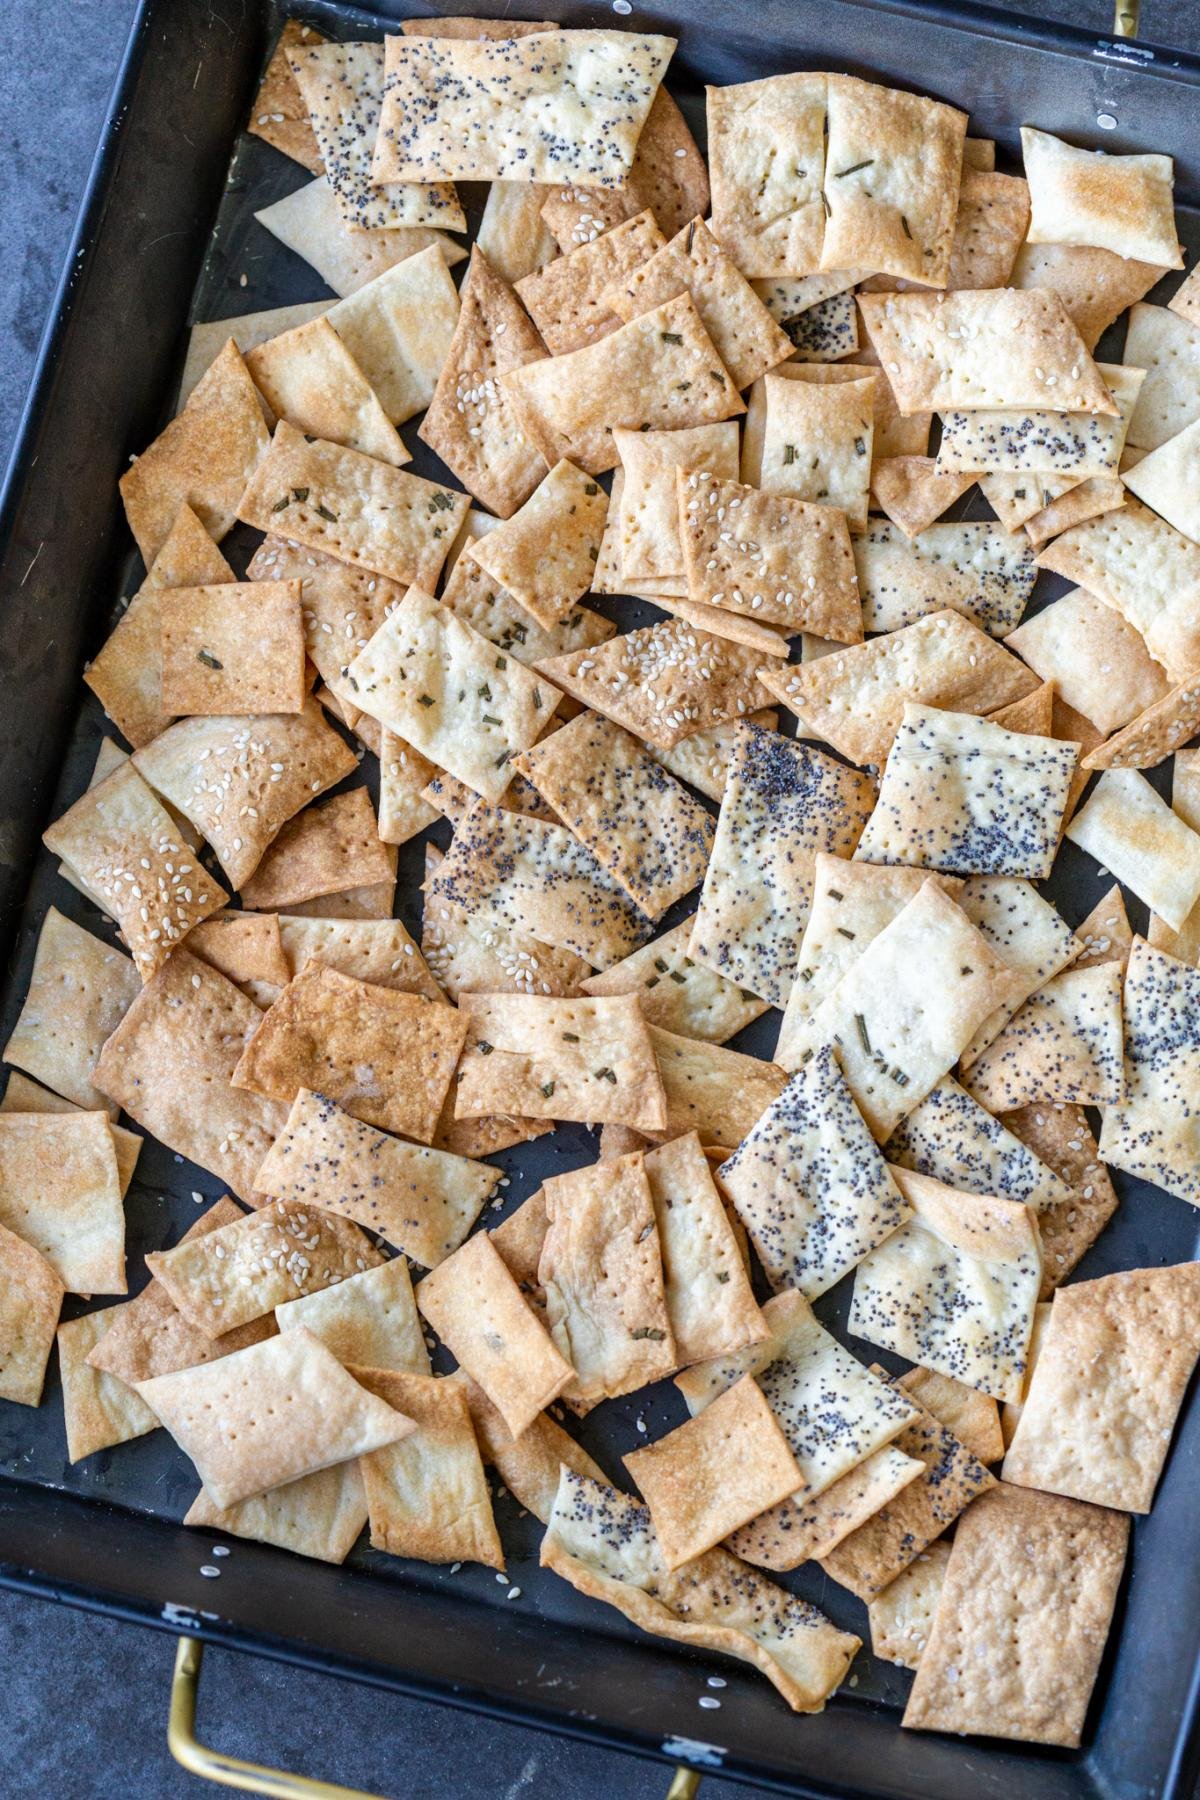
point(84, 1701)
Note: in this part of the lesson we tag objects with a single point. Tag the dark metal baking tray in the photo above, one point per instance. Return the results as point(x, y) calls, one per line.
point(167, 235)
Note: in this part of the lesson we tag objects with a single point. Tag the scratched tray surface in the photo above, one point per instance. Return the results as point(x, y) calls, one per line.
point(246, 269)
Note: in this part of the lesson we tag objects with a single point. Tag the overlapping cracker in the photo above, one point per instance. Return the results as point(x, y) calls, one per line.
point(398, 328)
point(1105, 934)
point(953, 1139)
point(386, 1057)
point(376, 950)
point(1165, 345)
point(826, 332)
point(529, 1465)
point(512, 233)
point(1094, 285)
point(648, 511)
point(854, 698)
point(974, 1418)
point(341, 607)
point(1026, 932)
point(587, 1059)
point(544, 555)
point(1118, 203)
point(973, 568)
point(1165, 481)
point(472, 952)
point(786, 297)
point(323, 850)
point(767, 209)
point(567, 298)
point(1063, 1044)
point(717, 1092)
point(484, 605)
point(710, 1303)
point(99, 1411)
point(807, 1527)
point(79, 991)
point(235, 648)
point(310, 223)
point(319, 1515)
point(702, 759)
point(810, 1185)
point(31, 1297)
point(963, 795)
point(1153, 1132)
point(1129, 829)
point(369, 1319)
point(1042, 441)
point(680, 995)
point(1061, 1137)
point(278, 114)
point(901, 1617)
point(1098, 662)
point(894, 435)
point(60, 1191)
point(817, 442)
point(1154, 734)
point(955, 1288)
point(308, 376)
point(427, 1495)
point(914, 492)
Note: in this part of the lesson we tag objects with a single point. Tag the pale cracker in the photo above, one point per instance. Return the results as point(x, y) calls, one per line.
point(399, 328)
point(1153, 1132)
point(1119, 203)
point(587, 1059)
point(914, 492)
point(682, 996)
point(710, 1303)
point(817, 443)
point(1165, 480)
point(309, 223)
point(953, 1139)
point(319, 1515)
point(31, 1297)
point(1098, 662)
point(1095, 286)
point(973, 568)
point(308, 377)
point(60, 1191)
point(370, 1319)
point(768, 211)
point(79, 991)
point(1063, 1044)
point(512, 233)
point(901, 1617)
point(545, 553)
point(648, 512)
point(567, 298)
point(1131, 831)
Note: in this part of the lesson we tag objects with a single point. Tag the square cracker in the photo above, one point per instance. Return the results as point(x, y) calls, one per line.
point(309, 222)
point(239, 779)
point(427, 1495)
point(587, 1059)
point(678, 994)
point(1098, 662)
point(323, 850)
point(1094, 285)
point(386, 1057)
point(1019, 1631)
point(458, 700)
point(649, 518)
point(810, 1184)
point(1165, 345)
point(915, 996)
point(768, 210)
point(568, 106)
point(602, 1271)
point(169, 1066)
point(660, 370)
point(203, 459)
point(567, 298)
point(719, 1093)
point(545, 553)
point(1131, 831)
point(990, 347)
point(398, 328)
point(784, 803)
point(1062, 1138)
point(714, 1473)
point(342, 86)
point(806, 1527)
point(956, 1141)
point(376, 950)
point(663, 682)
point(123, 844)
point(639, 822)
point(894, 435)
point(370, 1319)
point(710, 1303)
point(1063, 1044)
point(914, 492)
point(1107, 1387)
point(308, 377)
point(340, 607)
point(963, 795)
point(901, 1617)
point(278, 114)
point(472, 423)
point(60, 1192)
point(1153, 1132)
point(893, 163)
point(225, 1415)
point(1119, 203)
point(478, 1311)
point(80, 989)
point(236, 648)
point(817, 442)
point(747, 339)
point(855, 698)
point(126, 674)
point(776, 559)
point(976, 569)
point(358, 509)
point(99, 1411)
point(319, 1515)
point(955, 1288)
point(422, 1201)
point(31, 1297)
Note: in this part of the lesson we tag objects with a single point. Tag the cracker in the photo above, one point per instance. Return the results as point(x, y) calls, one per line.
point(568, 298)
point(1102, 494)
point(834, 1411)
point(1184, 300)
point(224, 1415)
point(602, 1542)
point(660, 370)
point(1105, 933)
point(341, 607)
point(126, 675)
point(1063, 1044)
point(472, 423)
point(124, 845)
point(518, 1242)
point(99, 1411)
point(1097, 660)
point(647, 511)
point(319, 1515)
point(422, 1201)
point(997, 347)
point(308, 376)
point(1035, 715)
point(913, 491)
point(1052, 442)
point(768, 212)
point(309, 223)
point(372, 902)
point(854, 698)
point(1152, 1133)
point(783, 804)
point(817, 443)
point(827, 332)
point(810, 1185)
point(386, 1057)
point(376, 950)
point(911, 998)
point(427, 1495)
point(569, 107)
point(587, 1059)
point(635, 818)
point(529, 1465)
point(974, 1418)
point(545, 553)
point(512, 233)
point(471, 952)
point(203, 459)
point(60, 1192)
point(1060, 1135)
point(680, 995)
point(1026, 932)
point(972, 568)
point(955, 1288)
point(953, 1139)
point(893, 435)
point(323, 850)
point(1094, 285)
point(1015, 499)
point(709, 1299)
point(398, 329)
point(247, 949)
point(746, 337)
point(714, 1473)
point(963, 795)
point(717, 1092)
point(1154, 734)
point(952, 1478)
point(1135, 834)
point(1123, 204)
point(901, 1617)
point(369, 1319)
point(232, 649)
point(702, 758)
point(472, 595)
point(31, 1297)
point(342, 86)
point(989, 228)
point(805, 1527)
point(477, 1310)
point(1165, 480)
point(403, 774)
point(23, 1095)
point(79, 990)
point(278, 114)
point(238, 780)
point(462, 25)
point(1165, 345)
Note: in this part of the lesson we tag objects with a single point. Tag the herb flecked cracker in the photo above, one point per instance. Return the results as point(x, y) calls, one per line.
point(235, 648)
point(680, 995)
point(487, 607)
point(545, 553)
point(768, 211)
point(1045, 441)
point(1153, 1131)
point(588, 1059)
point(817, 443)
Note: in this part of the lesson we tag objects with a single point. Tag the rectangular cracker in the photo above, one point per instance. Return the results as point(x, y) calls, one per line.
point(478, 1311)
point(901, 1617)
point(472, 952)
point(60, 1191)
point(955, 1288)
point(1098, 662)
point(1042, 440)
point(341, 607)
point(894, 435)
point(783, 804)
point(1131, 831)
point(1119, 203)
point(806, 1527)
point(79, 991)
point(810, 1184)
point(817, 442)
point(399, 328)
point(487, 607)
point(1153, 1132)
point(98, 1410)
point(567, 298)
point(973, 568)
point(530, 1465)
point(587, 1059)
point(1063, 1044)
point(247, 949)
point(308, 377)
point(323, 850)
point(678, 994)
point(544, 555)
point(237, 648)
point(1094, 285)
point(953, 1139)
point(719, 1093)
point(376, 950)
point(31, 1297)
point(427, 1496)
point(370, 1319)
point(768, 210)
point(403, 774)
point(1153, 735)
point(320, 1515)
point(974, 1418)
point(1165, 345)
point(1039, 1643)
point(854, 698)
point(710, 1303)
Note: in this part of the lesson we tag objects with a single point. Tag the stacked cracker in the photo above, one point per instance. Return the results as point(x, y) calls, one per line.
point(641, 864)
